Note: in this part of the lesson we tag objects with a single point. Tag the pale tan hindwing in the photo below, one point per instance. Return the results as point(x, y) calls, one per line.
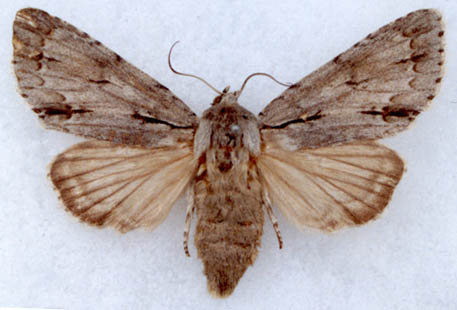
point(331, 187)
point(123, 187)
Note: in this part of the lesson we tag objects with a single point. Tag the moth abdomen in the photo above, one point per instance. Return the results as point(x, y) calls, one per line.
point(230, 225)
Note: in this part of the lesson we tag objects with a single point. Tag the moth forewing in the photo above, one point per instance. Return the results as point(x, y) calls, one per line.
point(77, 85)
point(371, 91)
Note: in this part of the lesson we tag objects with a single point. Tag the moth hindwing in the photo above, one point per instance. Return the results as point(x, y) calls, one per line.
point(311, 151)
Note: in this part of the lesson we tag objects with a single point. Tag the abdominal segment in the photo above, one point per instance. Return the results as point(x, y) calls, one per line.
point(230, 221)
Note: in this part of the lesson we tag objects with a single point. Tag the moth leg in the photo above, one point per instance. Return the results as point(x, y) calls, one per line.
point(273, 219)
point(190, 210)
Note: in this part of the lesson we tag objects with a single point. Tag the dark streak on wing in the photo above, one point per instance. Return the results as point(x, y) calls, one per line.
point(152, 120)
point(313, 117)
point(393, 111)
point(65, 110)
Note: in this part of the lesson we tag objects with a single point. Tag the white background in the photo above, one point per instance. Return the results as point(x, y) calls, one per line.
point(405, 260)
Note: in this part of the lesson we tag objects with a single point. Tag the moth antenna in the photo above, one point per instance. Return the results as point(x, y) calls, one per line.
point(187, 74)
point(260, 73)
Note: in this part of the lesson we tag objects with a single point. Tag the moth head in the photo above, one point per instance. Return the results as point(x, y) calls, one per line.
point(226, 97)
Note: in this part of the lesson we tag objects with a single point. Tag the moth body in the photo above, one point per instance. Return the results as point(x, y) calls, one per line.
point(228, 193)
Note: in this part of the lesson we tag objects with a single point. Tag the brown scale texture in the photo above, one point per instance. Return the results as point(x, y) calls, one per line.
point(230, 217)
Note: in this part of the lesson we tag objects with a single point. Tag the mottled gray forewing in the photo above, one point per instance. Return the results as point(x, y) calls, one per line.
point(373, 90)
point(77, 85)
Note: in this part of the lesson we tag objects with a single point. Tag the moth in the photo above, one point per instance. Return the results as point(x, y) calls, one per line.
point(312, 152)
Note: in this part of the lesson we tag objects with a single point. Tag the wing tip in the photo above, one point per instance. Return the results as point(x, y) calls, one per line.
point(28, 14)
